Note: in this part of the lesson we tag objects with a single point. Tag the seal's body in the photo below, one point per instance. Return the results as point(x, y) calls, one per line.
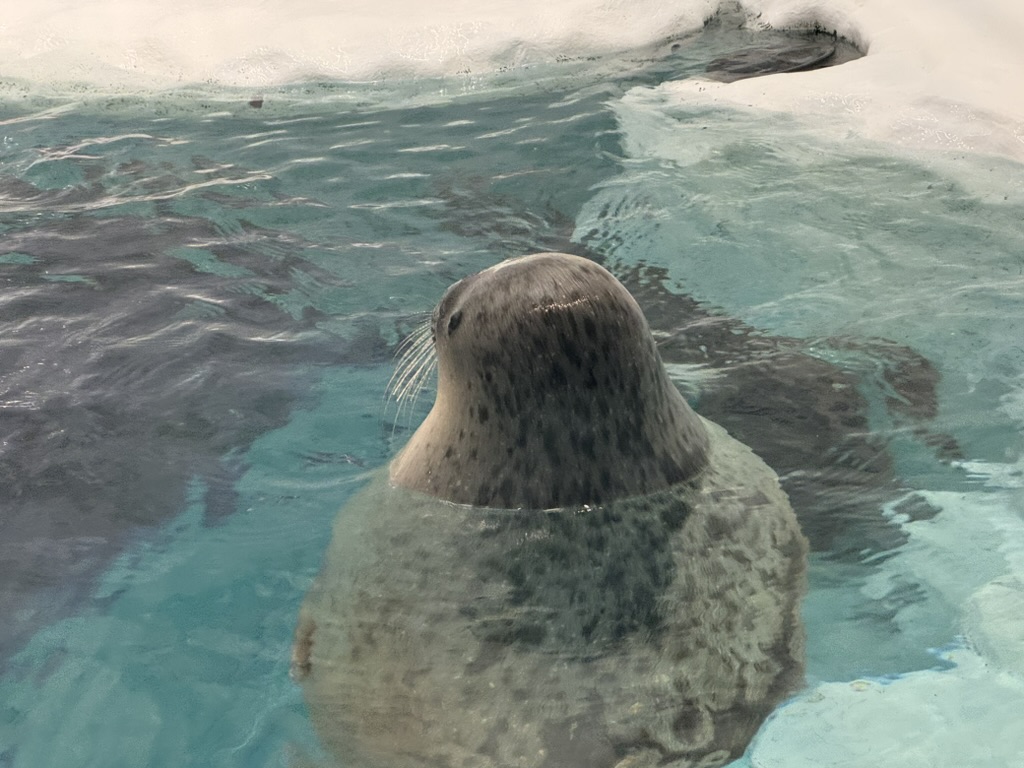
point(565, 567)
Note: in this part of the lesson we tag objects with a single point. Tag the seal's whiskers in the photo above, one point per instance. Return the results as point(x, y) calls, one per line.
point(416, 362)
point(415, 365)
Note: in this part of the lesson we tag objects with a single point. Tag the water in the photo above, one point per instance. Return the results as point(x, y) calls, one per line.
point(202, 298)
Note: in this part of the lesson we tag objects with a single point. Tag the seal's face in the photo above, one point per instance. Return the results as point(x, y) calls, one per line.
point(551, 393)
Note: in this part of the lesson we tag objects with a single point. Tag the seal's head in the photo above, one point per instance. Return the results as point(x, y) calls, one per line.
point(550, 393)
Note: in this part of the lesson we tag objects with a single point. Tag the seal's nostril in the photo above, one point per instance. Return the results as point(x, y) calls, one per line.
point(454, 321)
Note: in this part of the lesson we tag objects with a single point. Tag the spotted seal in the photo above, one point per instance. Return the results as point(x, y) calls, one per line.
point(565, 566)
point(550, 392)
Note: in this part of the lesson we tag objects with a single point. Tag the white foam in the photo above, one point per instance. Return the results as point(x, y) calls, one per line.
point(246, 43)
point(938, 74)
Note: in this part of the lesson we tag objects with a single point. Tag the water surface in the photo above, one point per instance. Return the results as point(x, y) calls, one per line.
point(201, 299)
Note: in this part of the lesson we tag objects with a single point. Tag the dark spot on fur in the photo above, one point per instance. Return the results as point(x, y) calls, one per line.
point(551, 441)
point(625, 440)
point(673, 514)
point(570, 350)
point(483, 414)
point(484, 496)
point(557, 375)
point(671, 471)
point(505, 492)
point(527, 499)
point(488, 657)
point(687, 723)
point(585, 410)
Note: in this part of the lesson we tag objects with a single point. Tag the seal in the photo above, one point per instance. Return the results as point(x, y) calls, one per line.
point(550, 392)
point(565, 566)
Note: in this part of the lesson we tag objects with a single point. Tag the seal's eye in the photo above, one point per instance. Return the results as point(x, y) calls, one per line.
point(454, 320)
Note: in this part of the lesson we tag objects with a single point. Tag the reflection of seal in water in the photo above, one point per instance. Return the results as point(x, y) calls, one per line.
point(650, 619)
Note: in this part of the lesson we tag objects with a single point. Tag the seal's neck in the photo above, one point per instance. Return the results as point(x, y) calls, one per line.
point(588, 437)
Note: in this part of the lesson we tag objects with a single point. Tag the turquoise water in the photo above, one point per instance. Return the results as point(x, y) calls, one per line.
point(201, 301)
